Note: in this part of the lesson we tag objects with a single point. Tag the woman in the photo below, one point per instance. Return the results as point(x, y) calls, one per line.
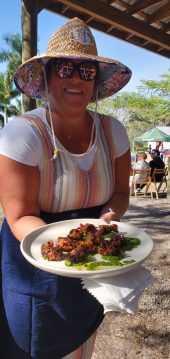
point(141, 164)
point(59, 162)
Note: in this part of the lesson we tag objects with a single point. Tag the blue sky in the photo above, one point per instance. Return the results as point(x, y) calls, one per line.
point(145, 65)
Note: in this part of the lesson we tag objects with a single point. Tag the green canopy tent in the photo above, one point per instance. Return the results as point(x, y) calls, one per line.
point(153, 135)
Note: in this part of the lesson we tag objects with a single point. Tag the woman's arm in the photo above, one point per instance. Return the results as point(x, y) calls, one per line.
point(19, 192)
point(119, 201)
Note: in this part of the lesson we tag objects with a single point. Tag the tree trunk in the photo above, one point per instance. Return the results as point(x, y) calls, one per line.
point(29, 41)
point(5, 116)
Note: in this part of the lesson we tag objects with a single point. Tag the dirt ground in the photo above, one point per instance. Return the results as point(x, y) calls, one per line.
point(145, 335)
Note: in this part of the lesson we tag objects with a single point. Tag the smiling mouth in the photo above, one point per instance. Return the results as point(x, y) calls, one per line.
point(73, 91)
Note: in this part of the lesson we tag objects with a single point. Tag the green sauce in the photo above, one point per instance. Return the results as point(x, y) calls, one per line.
point(109, 235)
point(102, 265)
point(107, 261)
point(132, 243)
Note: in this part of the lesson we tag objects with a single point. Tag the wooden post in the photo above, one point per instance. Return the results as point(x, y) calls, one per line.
point(29, 41)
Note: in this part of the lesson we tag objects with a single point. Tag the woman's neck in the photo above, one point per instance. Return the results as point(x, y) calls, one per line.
point(76, 132)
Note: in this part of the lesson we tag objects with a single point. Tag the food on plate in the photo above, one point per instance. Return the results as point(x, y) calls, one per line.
point(83, 243)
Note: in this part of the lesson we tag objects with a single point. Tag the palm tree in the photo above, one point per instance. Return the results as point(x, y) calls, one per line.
point(7, 96)
point(13, 55)
point(8, 92)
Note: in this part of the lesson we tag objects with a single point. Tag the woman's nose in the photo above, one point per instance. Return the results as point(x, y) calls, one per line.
point(75, 74)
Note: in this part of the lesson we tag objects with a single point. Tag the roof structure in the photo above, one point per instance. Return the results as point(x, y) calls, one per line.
point(155, 134)
point(145, 23)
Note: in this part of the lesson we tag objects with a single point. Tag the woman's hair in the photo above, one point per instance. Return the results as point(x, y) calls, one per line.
point(47, 72)
point(48, 69)
point(143, 155)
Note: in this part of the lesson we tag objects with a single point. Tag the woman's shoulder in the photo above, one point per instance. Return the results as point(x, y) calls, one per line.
point(117, 127)
point(20, 141)
point(39, 113)
point(18, 125)
point(21, 122)
point(119, 134)
point(113, 121)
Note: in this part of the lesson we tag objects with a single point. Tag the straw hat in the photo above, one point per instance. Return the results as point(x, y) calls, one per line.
point(72, 40)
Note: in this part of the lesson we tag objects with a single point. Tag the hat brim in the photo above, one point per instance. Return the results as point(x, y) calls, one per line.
point(113, 75)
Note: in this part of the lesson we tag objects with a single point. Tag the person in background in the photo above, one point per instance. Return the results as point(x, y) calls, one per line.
point(149, 149)
point(161, 151)
point(156, 162)
point(141, 161)
point(140, 165)
point(58, 162)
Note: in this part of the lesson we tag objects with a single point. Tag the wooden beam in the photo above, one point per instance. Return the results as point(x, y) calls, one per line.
point(65, 9)
point(127, 7)
point(58, 8)
point(112, 16)
point(160, 14)
point(41, 4)
point(140, 5)
point(108, 2)
point(166, 27)
point(123, 4)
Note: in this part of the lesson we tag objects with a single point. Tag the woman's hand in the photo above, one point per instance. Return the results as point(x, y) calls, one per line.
point(110, 216)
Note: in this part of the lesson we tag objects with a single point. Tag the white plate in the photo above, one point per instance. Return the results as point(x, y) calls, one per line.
point(31, 248)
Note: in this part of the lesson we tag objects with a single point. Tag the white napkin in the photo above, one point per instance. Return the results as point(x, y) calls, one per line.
point(120, 293)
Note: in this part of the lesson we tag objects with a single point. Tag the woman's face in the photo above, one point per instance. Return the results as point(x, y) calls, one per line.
point(71, 94)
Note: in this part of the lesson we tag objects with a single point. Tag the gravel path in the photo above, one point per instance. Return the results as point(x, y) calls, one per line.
point(145, 335)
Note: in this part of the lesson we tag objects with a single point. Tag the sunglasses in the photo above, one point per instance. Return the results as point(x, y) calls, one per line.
point(65, 68)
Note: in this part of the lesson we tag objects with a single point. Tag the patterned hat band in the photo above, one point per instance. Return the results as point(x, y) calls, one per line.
point(73, 40)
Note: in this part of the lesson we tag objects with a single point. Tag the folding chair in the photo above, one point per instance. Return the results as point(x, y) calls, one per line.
point(146, 173)
point(157, 183)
